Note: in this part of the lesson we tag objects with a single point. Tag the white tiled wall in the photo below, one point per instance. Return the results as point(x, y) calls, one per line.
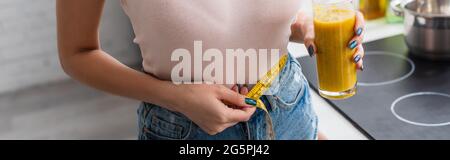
point(28, 54)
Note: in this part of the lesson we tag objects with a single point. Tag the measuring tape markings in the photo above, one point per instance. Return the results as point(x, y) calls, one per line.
point(263, 85)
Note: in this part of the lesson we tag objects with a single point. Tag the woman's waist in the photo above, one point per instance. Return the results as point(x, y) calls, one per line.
point(247, 72)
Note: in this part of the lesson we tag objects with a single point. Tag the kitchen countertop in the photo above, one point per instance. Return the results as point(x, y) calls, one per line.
point(66, 110)
point(332, 123)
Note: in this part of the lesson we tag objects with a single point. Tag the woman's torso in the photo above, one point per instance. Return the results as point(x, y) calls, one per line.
point(162, 26)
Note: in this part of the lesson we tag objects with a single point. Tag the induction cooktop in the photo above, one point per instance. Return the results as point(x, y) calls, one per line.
point(399, 96)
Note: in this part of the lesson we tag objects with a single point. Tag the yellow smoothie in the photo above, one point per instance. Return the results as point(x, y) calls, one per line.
point(373, 9)
point(334, 28)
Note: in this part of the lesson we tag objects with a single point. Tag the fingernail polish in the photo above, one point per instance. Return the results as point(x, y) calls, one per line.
point(311, 50)
point(362, 68)
point(353, 44)
point(357, 58)
point(359, 31)
point(250, 101)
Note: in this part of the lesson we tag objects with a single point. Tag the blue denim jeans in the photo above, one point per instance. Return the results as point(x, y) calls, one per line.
point(289, 106)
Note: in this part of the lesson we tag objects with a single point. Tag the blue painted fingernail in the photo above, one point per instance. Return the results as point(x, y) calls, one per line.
point(359, 31)
point(357, 58)
point(250, 101)
point(353, 44)
point(311, 50)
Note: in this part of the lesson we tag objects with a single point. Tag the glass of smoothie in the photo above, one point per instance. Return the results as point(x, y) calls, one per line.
point(334, 22)
point(373, 9)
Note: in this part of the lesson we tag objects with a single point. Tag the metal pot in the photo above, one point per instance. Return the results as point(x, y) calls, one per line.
point(427, 26)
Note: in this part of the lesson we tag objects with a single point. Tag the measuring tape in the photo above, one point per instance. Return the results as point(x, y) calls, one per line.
point(262, 86)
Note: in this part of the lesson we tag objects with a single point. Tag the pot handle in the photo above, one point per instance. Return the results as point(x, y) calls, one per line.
point(397, 6)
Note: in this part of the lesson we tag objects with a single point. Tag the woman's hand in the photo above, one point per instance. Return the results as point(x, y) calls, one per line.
point(304, 27)
point(214, 108)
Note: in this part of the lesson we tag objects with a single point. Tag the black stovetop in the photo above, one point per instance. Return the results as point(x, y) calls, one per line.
point(399, 96)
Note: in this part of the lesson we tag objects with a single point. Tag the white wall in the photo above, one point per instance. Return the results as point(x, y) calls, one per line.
point(28, 53)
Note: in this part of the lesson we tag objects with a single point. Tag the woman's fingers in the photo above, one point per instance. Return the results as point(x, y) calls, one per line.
point(360, 65)
point(357, 40)
point(360, 24)
point(358, 57)
point(235, 88)
point(240, 115)
point(228, 96)
point(244, 90)
point(358, 31)
point(310, 46)
point(308, 29)
point(234, 110)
